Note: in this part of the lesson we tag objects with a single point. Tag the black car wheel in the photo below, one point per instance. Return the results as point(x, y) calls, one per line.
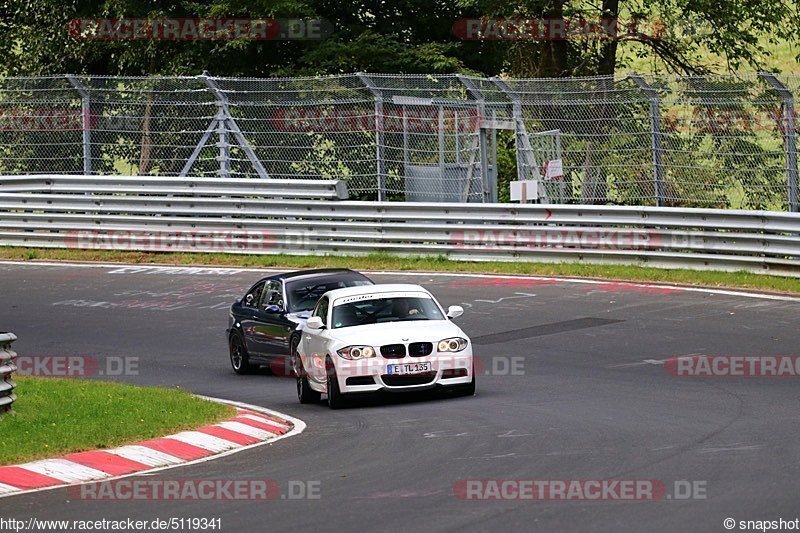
point(304, 391)
point(336, 400)
point(468, 389)
point(240, 361)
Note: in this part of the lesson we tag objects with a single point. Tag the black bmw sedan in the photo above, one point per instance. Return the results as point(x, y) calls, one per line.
point(264, 325)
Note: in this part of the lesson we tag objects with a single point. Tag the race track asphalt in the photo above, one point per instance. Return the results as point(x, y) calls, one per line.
point(572, 388)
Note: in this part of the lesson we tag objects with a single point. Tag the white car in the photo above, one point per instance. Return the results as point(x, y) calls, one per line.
point(381, 337)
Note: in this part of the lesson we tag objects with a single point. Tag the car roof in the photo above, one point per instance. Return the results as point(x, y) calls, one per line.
point(375, 289)
point(318, 272)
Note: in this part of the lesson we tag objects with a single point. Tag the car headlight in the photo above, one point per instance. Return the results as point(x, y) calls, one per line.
point(454, 344)
point(356, 352)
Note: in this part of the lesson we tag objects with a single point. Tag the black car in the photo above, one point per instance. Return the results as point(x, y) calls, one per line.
point(264, 325)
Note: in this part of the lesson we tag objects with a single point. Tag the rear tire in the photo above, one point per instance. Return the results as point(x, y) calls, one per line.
point(240, 360)
point(305, 394)
point(336, 400)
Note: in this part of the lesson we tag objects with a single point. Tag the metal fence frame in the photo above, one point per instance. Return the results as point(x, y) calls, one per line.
point(7, 368)
point(58, 215)
point(527, 107)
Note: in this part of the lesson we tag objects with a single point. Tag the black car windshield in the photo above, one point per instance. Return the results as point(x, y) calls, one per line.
point(304, 293)
point(380, 310)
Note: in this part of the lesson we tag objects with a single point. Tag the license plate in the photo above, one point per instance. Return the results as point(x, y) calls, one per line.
point(409, 368)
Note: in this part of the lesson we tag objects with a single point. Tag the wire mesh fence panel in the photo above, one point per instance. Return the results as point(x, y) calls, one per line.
point(722, 142)
point(430, 138)
point(146, 126)
point(605, 135)
point(703, 141)
point(41, 124)
point(319, 128)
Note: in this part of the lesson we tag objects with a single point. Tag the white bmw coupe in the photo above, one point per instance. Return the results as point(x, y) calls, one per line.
point(381, 337)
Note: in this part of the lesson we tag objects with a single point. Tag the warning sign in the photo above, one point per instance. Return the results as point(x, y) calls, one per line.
point(553, 169)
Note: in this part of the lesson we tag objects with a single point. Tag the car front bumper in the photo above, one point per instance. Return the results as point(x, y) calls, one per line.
point(371, 375)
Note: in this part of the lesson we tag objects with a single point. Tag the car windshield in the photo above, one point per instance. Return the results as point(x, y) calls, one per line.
point(380, 310)
point(304, 293)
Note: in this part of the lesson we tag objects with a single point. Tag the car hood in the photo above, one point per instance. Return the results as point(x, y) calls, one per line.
point(397, 332)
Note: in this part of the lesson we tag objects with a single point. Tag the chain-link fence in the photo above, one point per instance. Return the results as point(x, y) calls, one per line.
point(715, 141)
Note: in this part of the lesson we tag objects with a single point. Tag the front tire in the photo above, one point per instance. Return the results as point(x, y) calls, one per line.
point(468, 389)
point(240, 360)
point(336, 400)
point(305, 394)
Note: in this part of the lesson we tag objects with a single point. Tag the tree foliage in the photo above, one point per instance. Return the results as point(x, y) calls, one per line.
point(413, 36)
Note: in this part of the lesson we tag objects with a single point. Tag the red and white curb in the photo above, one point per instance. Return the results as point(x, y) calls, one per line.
point(252, 426)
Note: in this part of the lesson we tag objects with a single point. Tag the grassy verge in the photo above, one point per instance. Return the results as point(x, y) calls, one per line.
point(56, 416)
point(426, 264)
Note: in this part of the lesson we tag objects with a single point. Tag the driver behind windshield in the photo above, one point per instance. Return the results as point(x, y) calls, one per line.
point(401, 308)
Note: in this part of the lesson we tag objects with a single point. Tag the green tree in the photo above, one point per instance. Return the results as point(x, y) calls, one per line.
point(680, 33)
point(407, 36)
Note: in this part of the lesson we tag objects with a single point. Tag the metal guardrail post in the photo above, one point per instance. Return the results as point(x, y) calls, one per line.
point(489, 182)
point(379, 138)
point(789, 131)
point(655, 124)
point(7, 367)
point(86, 125)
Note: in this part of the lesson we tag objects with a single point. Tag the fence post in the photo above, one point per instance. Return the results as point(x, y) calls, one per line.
point(7, 367)
point(655, 125)
point(222, 129)
point(790, 138)
point(225, 124)
point(86, 124)
point(519, 125)
point(379, 139)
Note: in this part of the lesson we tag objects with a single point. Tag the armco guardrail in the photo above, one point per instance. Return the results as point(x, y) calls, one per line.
point(166, 217)
point(7, 367)
point(272, 188)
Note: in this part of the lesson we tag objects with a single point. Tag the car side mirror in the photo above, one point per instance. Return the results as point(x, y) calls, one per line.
point(454, 311)
point(273, 309)
point(315, 322)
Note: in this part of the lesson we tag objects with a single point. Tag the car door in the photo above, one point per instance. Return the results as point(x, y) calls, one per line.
point(250, 320)
point(274, 329)
point(315, 342)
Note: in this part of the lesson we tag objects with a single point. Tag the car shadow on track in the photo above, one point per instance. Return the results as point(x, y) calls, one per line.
point(383, 399)
point(279, 371)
